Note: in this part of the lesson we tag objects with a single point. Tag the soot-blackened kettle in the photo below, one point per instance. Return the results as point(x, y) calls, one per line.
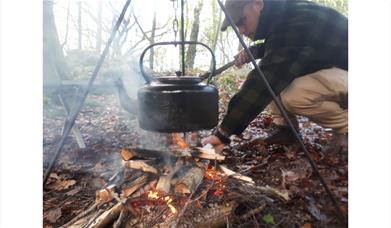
point(177, 104)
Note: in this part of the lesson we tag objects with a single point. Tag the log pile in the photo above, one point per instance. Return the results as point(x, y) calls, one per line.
point(160, 186)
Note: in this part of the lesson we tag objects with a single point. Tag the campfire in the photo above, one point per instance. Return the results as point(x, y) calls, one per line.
point(157, 188)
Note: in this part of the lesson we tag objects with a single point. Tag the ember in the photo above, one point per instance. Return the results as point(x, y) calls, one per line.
point(217, 179)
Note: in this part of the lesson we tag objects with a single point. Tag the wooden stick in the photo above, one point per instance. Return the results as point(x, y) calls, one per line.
point(142, 165)
point(281, 194)
point(134, 186)
point(206, 153)
point(236, 175)
point(105, 195)
point(120, 219)
point(253, 212)
point(108, 216)
point(84, 213)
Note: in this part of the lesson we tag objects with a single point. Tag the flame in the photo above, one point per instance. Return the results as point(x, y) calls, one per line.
point(166, 199)
point(178, 140)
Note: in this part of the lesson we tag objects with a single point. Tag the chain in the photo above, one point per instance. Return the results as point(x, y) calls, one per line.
point(175, 22)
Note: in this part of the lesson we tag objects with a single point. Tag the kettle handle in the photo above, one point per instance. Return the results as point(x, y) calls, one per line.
point(148, 78)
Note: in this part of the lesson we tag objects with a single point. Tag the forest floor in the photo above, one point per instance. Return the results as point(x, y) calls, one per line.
point(106, 129)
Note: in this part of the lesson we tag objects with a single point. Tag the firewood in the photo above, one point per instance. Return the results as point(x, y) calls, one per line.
point(284, 195)
point(144, 189)
point(142, 165)
point(148, 154)
point(236, 175)
point(127, 154)
point(134, 186)
point(120, 221)
point(164, 183)
point(206, 153)
point(107, 217)
point(189, 181)
point(214, 217)
point(217, 217)
point(81, 217)
point(105, 195)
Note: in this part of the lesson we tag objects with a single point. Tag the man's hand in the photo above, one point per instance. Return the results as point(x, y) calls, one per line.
point(241, 59)
point(215, 142)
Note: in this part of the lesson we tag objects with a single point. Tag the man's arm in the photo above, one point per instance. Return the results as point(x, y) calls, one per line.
point(257, 51)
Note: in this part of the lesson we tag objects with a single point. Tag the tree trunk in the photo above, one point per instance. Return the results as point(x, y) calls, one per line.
point(99, 28)
point(79, 26)
point(152, 40)
point(55, 67)
point(216, 27)
point(191, 51)
point(67, 26)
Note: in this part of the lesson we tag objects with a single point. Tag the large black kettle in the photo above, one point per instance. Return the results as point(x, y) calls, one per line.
point(177, 104)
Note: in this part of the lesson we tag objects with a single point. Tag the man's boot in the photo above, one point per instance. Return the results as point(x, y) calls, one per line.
point(338, 144)
point(281, 135)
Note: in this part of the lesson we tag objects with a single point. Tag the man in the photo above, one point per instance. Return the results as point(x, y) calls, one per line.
point(304, 58)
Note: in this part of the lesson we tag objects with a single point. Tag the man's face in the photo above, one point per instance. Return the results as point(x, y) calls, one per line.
point(247, 25)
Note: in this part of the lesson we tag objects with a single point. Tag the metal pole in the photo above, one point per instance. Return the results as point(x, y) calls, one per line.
point(183, 37)
point(283, 112)
point(71, 120)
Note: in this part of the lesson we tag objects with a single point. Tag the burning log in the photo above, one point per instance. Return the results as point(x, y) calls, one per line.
point(189, 182)
point(135, 185)
point(144, 189)
point(164, 183)
point(141, 165)
point(127, 154)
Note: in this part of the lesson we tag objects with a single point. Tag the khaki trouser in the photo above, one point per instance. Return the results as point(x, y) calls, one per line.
point(316, 96)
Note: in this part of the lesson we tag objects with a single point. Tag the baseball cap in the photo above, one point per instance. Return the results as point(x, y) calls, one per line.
point(235, 9)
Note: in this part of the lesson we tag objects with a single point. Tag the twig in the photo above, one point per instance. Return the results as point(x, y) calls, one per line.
point(84, 213)
point(120, 219)
point(253, 212)
point(186, 205)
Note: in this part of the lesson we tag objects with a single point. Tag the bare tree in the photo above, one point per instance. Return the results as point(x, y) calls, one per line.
point(152, 40)
point(55, 67)
point(80, 29)
point(99, 28)
point(191, 51)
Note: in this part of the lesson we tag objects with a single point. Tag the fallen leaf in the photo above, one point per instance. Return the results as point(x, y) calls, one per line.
point(290, 155)
point(53, 215)
point(290, 176)
point(307, 225)
point(314, 210)
point(99, 166)
point(268, 219)
point(61, 185)
point(73, 191)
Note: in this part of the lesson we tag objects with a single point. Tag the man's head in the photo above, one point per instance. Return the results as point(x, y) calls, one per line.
point(245, 14)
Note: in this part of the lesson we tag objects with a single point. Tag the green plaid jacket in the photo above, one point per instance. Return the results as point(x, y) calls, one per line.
point(300, 37)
